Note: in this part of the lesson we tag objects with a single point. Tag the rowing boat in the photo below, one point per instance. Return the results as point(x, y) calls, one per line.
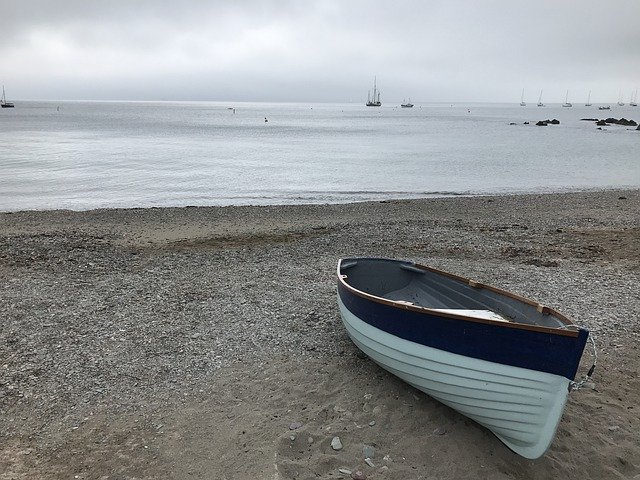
point(502, 360)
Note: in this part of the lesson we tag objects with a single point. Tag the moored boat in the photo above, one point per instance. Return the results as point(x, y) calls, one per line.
point(375, 100)
point(3, 100)
point(502, 360)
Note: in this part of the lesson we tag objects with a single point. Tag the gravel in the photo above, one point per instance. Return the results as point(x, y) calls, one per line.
point(120, 308)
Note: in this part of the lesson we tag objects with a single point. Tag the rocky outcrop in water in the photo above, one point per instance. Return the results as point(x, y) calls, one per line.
point(612, 121)
point(544, 123)
point(622, 121)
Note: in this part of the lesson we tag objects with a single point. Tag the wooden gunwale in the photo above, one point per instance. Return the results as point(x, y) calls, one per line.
point(416, 308)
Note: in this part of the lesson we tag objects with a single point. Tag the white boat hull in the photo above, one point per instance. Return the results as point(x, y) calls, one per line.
point(522, 407)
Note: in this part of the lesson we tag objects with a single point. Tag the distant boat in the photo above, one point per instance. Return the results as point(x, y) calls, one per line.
point(3, 101)
point(588, 104)
point(522, 104)
point(604, 108)
point(407, 104)
point(566, 101)
point(634, 99)
point(620, 102)
point(540, 104)
point(375, 100)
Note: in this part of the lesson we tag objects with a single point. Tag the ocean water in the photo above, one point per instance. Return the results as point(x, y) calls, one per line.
point(84, 155)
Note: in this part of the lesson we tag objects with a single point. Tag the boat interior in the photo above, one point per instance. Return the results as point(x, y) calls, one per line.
point(410, 284)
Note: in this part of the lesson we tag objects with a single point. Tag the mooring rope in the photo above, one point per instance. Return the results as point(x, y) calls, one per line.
point(573, 385)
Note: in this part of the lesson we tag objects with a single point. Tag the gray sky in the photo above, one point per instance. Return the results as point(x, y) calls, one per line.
point(320, 51)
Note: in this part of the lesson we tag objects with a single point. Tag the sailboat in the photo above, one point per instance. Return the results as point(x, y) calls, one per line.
point(566, 101)
point(620, 102)
point(3, 101)
point(406, 104)
point(634, 99)
point(588, 104)
point(375, 100)
point(540, 104)
point(522, 104)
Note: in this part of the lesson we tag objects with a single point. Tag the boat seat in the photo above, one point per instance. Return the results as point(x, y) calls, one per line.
point(484, 314)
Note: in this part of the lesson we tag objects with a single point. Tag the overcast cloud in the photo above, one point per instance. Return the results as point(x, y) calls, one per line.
point(320, 51)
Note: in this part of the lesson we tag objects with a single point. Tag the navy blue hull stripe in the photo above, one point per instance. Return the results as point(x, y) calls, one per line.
point(541, 351)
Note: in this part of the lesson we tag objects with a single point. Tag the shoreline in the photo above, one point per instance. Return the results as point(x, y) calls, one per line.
point(185, 341)
point(297, 202)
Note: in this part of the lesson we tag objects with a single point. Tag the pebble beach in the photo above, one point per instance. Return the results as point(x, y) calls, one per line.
point(206, 342)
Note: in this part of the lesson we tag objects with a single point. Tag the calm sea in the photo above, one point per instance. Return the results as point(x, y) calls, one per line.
point(84, 155)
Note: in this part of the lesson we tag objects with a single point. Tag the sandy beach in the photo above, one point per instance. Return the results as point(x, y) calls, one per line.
point(206, 343)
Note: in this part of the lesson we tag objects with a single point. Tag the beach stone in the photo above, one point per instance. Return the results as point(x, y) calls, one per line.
point(369, 462)
point(369, 451)
point(294, 425)
point(387, 458)
point(310, 440)
point(344, 471)
point(358, 475)
point(440, 431)
point(336, 444)
point(372, 423)
point(541, 123)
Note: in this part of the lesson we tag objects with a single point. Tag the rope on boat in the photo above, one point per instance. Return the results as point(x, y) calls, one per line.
point(573, 385)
